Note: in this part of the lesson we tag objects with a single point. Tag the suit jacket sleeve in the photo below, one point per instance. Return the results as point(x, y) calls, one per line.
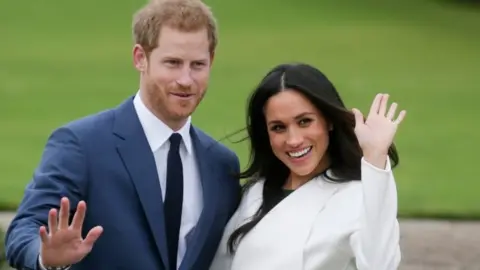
point(61, 172)
point(375, 244)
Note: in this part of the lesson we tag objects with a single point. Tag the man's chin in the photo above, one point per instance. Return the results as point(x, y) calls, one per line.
point(181, 115)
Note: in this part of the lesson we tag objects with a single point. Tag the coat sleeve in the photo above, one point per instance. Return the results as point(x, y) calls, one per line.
point(61, 172)
point(376, 242)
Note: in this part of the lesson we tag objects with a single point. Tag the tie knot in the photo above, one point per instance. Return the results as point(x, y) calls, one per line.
point(175, 140)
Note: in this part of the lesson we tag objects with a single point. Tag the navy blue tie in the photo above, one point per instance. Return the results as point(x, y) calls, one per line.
point(173, 198)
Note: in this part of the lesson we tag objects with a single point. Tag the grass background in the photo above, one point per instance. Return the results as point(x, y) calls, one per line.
point(61, 60)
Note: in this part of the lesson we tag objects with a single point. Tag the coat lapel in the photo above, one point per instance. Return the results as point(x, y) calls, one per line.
point(277, 240)
point(210, 188)
point(133, 148)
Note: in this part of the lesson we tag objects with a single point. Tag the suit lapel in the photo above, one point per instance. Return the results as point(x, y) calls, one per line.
point(135, 153)
point(210, 188)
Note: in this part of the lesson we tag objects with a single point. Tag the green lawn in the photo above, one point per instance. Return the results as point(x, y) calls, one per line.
point(64, 59)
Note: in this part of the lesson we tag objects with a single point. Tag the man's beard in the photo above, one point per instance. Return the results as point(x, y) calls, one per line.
point(180, 89)
point(160, 96)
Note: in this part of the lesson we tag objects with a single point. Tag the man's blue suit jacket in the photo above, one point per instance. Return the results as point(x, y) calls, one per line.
point(105, 160)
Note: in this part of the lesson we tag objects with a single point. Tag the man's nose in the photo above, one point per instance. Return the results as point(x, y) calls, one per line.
point(185, 79)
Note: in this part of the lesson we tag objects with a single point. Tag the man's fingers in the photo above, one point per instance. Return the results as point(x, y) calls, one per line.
point(93, 236)
point(43, 234)
point(79, 216)
point(64, 213)
point(52, 221)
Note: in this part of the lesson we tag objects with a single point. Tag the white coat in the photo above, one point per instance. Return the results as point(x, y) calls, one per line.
point(320, 226)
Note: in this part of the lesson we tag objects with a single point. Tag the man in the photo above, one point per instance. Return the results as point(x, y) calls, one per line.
point(144, 210)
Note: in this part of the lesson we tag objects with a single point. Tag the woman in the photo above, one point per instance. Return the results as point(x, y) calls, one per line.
point(320, 193)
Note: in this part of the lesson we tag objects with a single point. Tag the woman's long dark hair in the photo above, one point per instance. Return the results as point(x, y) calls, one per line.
point(344, 151)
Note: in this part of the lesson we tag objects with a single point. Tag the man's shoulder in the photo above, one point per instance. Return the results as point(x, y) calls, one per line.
point(91, 124)
point(215, 146)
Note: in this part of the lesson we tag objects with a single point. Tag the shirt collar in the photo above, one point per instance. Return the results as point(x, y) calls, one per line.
point(156, 131)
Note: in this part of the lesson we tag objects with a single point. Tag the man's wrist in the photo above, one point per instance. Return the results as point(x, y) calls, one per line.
point(43, 267)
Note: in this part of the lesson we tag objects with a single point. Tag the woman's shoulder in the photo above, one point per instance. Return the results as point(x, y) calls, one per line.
point(347, 193)
point(252, 192)
point(253, 188)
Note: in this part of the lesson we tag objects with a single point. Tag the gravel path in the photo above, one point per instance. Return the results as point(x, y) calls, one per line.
point(440, 245)
point(426, 245)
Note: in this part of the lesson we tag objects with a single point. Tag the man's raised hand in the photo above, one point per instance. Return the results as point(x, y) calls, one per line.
point(63, 244)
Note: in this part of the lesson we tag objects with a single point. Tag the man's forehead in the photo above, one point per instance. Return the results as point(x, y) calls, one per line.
point(182, 53)
point(169, 35)
point(183, 44)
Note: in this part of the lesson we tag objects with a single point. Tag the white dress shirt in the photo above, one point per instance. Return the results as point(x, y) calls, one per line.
point(158, 134)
